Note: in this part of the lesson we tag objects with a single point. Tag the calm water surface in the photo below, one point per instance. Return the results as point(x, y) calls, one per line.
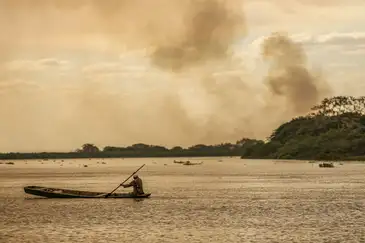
point(231, 200)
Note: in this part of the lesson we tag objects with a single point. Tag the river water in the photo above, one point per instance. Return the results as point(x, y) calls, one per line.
point(222, 200)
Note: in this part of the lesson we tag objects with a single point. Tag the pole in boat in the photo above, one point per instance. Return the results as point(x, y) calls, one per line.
point(107, 195)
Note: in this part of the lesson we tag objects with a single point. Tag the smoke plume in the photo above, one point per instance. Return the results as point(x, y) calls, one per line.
point(289, 75)
point(211, 27)
point(118, 72)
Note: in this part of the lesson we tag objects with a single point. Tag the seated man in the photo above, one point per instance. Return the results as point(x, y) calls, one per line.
point(137, 185)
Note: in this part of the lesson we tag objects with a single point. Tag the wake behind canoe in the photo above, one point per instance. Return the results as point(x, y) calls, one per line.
point(67, 193)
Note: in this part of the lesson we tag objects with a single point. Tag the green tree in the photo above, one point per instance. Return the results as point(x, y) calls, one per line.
point(88, 148)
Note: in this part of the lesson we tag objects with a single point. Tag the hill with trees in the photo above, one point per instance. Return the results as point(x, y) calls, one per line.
point(334, 130)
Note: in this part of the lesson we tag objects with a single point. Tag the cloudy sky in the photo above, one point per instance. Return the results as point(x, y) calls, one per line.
point(170, 72)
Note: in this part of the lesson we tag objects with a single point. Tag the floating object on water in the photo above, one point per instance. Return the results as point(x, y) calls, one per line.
point(85, 166)
point(9, 163)
point(187, 162)
point(326, 165)
point(66, 193)
point(179, 162)
point(190, 163)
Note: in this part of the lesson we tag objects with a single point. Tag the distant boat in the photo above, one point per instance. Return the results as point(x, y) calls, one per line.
point(326, 165)
point(187, 163)
point(66, 193)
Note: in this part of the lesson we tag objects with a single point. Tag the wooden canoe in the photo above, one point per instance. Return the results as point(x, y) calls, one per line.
point(66, 193)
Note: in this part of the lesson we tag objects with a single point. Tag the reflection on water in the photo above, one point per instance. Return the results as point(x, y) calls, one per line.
point(230, 201)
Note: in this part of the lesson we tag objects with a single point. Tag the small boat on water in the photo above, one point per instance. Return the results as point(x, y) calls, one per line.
point(187, 162)
point(66, 193)
point(326, 165)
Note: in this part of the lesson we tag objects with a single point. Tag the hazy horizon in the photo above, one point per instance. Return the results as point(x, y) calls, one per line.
point(169, 72)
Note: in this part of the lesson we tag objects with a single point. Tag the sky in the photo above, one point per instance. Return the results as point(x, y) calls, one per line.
point(170, 72)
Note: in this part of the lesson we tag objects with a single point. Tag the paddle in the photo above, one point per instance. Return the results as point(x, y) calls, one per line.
point(107, 195)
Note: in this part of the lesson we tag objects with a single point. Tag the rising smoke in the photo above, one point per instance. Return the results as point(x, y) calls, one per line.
point(211, 27)
point(191, 89)
point(289, 75)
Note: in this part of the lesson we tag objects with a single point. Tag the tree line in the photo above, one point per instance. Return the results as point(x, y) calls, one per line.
point(334, 129)
point(141, 150)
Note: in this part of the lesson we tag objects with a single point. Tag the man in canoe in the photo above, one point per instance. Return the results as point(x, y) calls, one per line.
point(137, 185)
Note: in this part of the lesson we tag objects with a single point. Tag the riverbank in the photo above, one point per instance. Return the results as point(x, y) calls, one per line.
point(103, 155)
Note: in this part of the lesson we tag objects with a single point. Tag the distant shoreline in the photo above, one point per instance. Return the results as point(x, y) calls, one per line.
point(115, 155)
point(107, 155)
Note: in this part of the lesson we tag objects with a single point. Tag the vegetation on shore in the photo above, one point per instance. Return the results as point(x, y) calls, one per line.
point(334, 130)
point(140, 150)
